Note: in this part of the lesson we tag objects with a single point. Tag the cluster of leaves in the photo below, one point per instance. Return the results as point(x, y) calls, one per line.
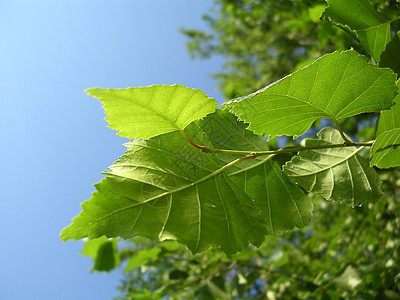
point(206, 177)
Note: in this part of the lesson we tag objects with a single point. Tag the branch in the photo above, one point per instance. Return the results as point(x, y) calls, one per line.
point(253, 154)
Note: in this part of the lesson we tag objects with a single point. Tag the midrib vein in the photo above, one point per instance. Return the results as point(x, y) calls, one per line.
point(331, 166)
point(211, 175)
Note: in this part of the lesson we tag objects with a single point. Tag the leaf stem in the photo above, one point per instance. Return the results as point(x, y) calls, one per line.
point(253, 154)
point(344, 137)
point(204, 148)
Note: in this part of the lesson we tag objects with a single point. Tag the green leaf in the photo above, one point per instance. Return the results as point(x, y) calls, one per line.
point(164, 188)
point(104, 252)
point(349, 280)
point(385, 152)
point(335, 86)
point(371, 27)
point(142, 258)
point(145, 112)
point(337, 174)
point(283, 205)
point(390, 57)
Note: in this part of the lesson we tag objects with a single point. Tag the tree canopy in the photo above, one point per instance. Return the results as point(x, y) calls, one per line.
point(262, 41)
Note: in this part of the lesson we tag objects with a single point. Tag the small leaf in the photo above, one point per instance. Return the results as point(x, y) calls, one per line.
point(371, 27)
point(335, 86)
point(145, 112)
point(164, 188)
point(337, 174)
point(385, 152)
point(349, 280)
point(142, 258)
point(104, 252)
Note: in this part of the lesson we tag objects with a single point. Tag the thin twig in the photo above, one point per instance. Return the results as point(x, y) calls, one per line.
point(253, 154)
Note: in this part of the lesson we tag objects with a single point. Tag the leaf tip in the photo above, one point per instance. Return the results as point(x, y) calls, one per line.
point(92, 91)
point(64, 234)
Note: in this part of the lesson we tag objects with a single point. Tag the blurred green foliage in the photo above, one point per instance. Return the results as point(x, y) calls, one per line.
point(262, 41)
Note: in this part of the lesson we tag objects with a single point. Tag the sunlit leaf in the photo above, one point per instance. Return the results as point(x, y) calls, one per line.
point(337, 174)
point(145, 112)
point(164, 188)
point(335, 86)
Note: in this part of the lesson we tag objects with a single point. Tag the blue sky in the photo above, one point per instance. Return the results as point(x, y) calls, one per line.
point(54, 140)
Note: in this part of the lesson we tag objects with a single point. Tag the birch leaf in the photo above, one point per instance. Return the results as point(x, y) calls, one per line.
point(145, 112)
point(337, 174)
point(335, 86)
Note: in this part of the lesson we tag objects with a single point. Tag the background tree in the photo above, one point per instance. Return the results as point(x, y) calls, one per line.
point(262, 41)
point(343, 253)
